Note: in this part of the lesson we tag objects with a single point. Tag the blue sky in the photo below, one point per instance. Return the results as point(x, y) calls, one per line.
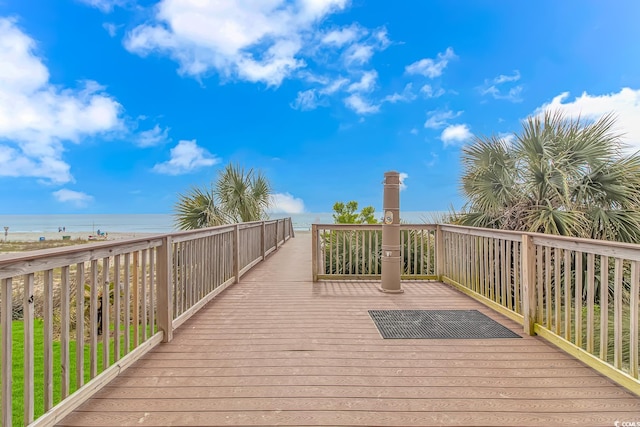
point(115, 106)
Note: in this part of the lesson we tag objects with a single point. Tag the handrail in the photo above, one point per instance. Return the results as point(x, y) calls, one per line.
point(118, 299)
point(582, 295)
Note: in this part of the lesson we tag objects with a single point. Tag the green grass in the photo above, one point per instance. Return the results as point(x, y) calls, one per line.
point(38, 341)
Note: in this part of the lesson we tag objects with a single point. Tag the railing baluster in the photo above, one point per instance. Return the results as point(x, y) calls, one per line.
point(370, 253)
point(517, 268)
point(633, 320)
point(117, 307)
point(415, 252)
point(492, 271)
point(6, 313)
point(617, 315)
point(105, 305)
point(65, 316)
point(578, 299)
point(135, 299)
point(540, 283)
point(364, 254)
point(567, 295)
point(557, 289)
point(80, 308)
point(503, 272)
point(28, 368)
point(126, 306)
point(548, 300)
point(93, 320)
point(48, 339)
point(145, 254)
point(604, 308)
point(529, 304)
point(508, 273)
point(590, 301)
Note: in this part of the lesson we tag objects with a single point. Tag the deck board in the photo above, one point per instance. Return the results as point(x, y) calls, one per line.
point(277, 349)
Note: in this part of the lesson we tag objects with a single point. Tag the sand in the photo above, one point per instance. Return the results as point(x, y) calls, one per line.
point(74, 235)
point(34, 237)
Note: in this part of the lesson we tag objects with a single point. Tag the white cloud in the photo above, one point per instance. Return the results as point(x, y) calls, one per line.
point(305, 101)
point(286, 203)
point(507, 138)
point(428, 92)
point(111, 28)
point(366, 84)
point(361, 106)
point(504, 78)
point(624, 104)
point(334, 86)
point(105, 6)
point(187, 156)
point(344, 36)
point(439, 119)
point(382, 37)
point(403, 178)
point(493, 87)
point(151, 137)
point(254, 40)
point(310, 99)
point(431, 67)
point(413, 131)
point(455, 134)
point(359, 54)
point(36, 116)
point(75, 198)
point(407, 95)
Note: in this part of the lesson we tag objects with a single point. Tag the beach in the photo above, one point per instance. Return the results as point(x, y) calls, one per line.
point(69, 235)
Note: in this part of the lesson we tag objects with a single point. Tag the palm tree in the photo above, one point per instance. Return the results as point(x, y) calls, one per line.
point(197, 209)
point(236, 196)
point(558, 176)
point(244, 196)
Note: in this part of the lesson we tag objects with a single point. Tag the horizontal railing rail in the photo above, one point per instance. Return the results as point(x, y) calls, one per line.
point(72, 318)
point(582, 295)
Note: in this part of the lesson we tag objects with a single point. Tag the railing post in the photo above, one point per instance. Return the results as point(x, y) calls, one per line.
point(528, 262)
point(439, 252)
point(165, 294)
point(277, 222)
point(264, 240)
point(314, 251)
point(236, 253)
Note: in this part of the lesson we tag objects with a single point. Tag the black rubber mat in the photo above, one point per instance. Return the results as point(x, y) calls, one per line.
point(438, 324)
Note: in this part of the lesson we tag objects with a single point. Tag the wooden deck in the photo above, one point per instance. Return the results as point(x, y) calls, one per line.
point(277, 349)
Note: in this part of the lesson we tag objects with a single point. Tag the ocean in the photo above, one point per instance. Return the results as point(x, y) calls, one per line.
point(152, 223)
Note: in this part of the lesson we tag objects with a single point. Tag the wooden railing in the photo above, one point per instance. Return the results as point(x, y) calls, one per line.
point(346, 251)
point(72, 318)
point(580, 294)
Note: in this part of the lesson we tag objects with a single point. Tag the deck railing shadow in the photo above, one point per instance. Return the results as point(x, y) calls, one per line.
point(580, 294)
point(81, 314)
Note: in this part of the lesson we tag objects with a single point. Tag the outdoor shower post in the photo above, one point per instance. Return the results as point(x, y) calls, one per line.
point(391, 234)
